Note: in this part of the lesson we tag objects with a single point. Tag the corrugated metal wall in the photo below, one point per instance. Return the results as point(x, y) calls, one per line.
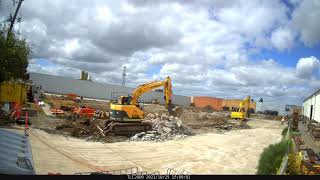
point(63, 85)
point(313, 100)
point(15, 146)
point(306, 108)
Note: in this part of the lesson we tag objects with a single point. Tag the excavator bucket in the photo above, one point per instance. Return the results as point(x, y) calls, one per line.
point(175, 111)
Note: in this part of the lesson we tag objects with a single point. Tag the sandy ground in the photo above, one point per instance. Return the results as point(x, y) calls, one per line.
point(234, 152)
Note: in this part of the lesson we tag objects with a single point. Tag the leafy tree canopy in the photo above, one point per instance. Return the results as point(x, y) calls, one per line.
point(14, 55)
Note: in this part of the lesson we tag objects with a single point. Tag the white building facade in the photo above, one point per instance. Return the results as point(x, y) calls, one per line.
point(311, 107)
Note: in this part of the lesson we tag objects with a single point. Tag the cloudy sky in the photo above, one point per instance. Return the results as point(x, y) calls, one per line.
point(233, 48)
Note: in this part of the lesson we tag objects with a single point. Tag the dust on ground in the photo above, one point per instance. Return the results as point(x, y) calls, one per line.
point(233, 152)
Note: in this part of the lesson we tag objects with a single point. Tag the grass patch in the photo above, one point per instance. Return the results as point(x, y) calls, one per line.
point(271, 158)
point(284, 131)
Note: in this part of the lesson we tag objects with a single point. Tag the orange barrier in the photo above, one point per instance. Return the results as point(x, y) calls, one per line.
point(86, 112)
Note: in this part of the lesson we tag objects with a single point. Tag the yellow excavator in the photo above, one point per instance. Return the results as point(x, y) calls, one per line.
point(126, 114)
point(242, 112)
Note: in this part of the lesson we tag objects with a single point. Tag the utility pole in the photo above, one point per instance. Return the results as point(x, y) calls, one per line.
point(124, 74)
point(14, 17)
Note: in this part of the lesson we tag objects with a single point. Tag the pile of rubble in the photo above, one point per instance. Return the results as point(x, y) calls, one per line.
point(164, 128)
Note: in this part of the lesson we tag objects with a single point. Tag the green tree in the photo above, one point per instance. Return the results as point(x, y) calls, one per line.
point(14, 55)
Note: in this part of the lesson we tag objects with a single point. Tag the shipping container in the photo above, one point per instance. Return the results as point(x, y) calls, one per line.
point(13, 92)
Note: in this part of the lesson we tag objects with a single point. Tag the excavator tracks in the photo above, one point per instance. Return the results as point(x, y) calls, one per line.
point(126, 128)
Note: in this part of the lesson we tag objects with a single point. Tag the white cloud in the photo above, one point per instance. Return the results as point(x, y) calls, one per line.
point(308, 67)
point(71, 46)
point(104, 14)
point(57, 70)
point(267, 78)
point(306, 21)
point(206, 46)
point(282, 39)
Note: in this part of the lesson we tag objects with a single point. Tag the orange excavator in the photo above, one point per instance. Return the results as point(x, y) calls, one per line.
point(128, 106)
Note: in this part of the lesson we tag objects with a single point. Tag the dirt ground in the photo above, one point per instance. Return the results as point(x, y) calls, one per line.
point(77, 146)
point(101, 105)
point(200, 121)
point(232, 152)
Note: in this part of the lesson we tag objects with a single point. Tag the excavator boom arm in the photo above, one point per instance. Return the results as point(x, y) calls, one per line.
point(150, 86)
point(245, 102)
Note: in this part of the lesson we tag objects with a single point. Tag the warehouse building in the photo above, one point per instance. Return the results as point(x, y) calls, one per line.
point(88, 89)
point(311, 107)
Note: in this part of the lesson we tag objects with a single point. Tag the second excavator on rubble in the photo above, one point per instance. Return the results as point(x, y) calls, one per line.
point(126, 114)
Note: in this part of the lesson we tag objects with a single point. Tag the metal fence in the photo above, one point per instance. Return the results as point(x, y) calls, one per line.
point(284, 164)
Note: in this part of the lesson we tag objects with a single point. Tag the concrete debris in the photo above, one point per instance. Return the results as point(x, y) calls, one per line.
point(179, 123)
point(226, 127)
point(164, 128)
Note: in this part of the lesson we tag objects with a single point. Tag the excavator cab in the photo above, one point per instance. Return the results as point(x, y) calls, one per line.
point(126, 112)
point(242, 113)
point(124, 100)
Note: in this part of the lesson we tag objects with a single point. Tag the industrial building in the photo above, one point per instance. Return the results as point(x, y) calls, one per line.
point(218, 103)
point(63, 85)
point(311, 107)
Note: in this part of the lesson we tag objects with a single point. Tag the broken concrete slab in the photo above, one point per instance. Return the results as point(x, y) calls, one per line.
point(164, 128)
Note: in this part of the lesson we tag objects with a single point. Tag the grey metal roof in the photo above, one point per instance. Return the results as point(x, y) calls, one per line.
point(15, 154)
point(64, 85)
point(316, 92)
